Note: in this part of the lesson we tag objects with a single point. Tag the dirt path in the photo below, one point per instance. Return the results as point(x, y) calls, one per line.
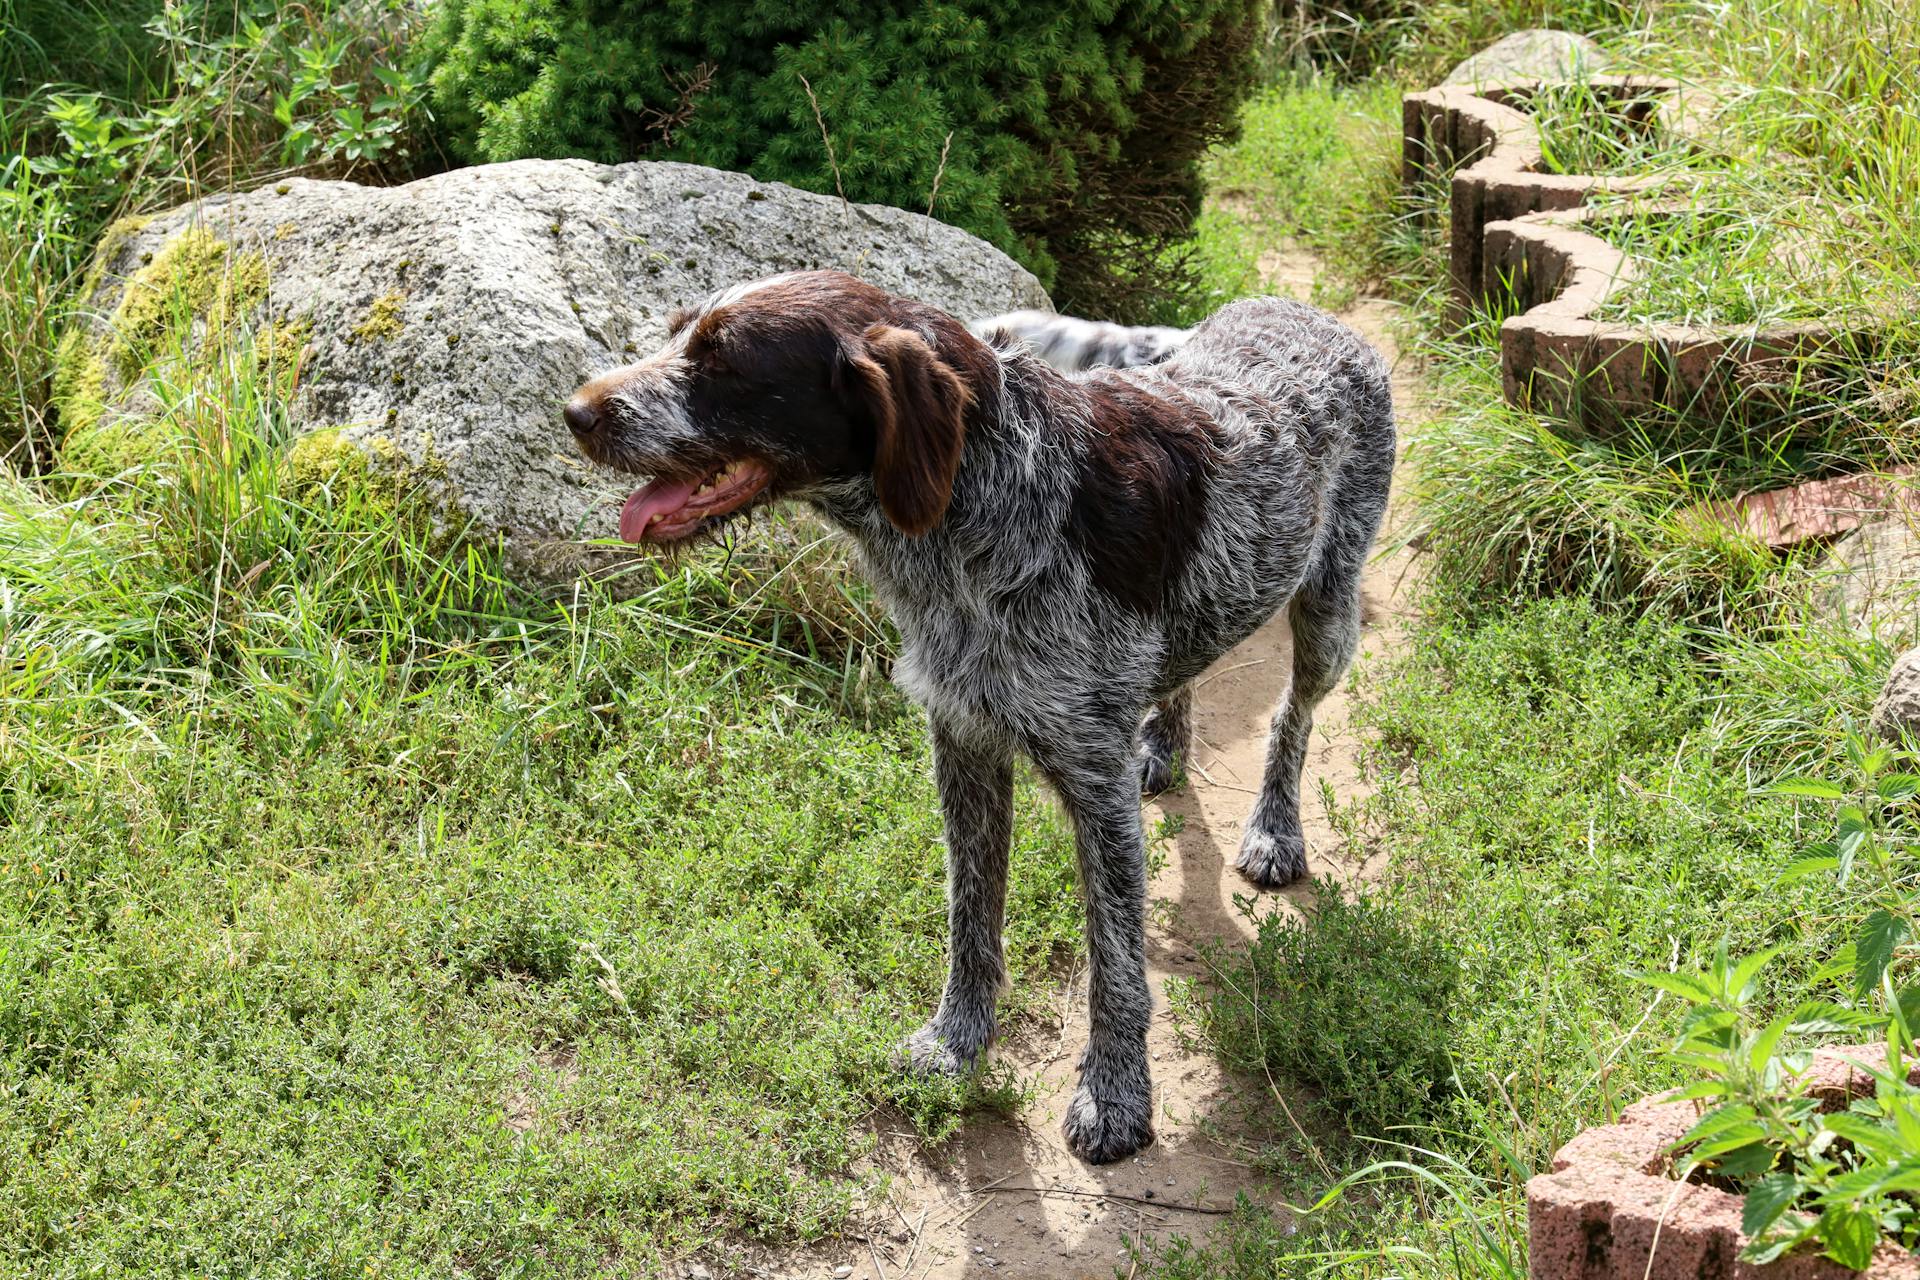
point(1004, 1198)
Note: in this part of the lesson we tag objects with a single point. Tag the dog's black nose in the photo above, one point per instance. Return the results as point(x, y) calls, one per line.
point(581, 419)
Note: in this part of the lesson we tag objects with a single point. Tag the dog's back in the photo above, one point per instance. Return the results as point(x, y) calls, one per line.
point(1300, 411)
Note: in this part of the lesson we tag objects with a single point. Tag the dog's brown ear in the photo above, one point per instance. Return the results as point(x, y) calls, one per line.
point(919, 408)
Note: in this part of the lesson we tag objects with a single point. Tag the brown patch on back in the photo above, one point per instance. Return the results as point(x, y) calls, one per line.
point(1142, 498)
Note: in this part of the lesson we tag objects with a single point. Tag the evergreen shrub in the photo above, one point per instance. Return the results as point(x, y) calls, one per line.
point(1068, 134)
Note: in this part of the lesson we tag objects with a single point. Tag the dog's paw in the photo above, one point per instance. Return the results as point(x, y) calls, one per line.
point(1103, 1127)
point(1156, 771)
point(1271, 861)
point(927, 1052)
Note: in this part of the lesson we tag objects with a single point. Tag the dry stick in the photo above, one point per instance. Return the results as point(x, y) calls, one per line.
point(832, 162)
point(1208, 679)
point(1174, 1205)
point(939, 172)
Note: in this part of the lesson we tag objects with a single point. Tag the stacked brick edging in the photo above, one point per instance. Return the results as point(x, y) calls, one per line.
point(1519, 237)
point(1493, 153)
point(1557, 359)
point(1609, 1210)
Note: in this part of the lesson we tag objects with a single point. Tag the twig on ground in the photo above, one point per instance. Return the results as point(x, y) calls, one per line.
point(1076, 1194)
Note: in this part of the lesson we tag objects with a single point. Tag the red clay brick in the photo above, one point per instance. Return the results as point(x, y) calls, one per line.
point(1608, 1210)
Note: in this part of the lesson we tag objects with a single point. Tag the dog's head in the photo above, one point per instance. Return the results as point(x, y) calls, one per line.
point(773, 388)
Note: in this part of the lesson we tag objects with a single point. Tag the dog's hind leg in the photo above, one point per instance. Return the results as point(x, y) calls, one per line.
point(1325, 620)
point(1165, 738)
point(975, 778)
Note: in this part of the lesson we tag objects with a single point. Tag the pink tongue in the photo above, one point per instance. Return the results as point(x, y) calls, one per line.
point(658, 496)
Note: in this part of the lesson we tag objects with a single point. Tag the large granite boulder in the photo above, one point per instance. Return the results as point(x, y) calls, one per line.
point(1534, 54)
point(1896, 714)
point(436, 328)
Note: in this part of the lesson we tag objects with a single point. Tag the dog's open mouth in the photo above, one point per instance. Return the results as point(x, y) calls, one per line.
point(667, 510)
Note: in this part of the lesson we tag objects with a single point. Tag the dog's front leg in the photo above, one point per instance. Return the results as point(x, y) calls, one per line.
point(975, 778)
point(1111, 1114)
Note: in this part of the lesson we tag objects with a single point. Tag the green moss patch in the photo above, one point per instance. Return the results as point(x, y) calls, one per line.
point(196, 277)
point(383, 322)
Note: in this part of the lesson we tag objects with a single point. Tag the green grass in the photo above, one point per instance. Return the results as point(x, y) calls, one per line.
point(1316, 167)
point(359, 911)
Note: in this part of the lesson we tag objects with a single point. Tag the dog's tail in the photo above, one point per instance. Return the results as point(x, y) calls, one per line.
point(1071, 344)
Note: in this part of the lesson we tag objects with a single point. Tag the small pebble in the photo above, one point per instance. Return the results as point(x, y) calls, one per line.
point(842, 1271)
point(978, 1249)
point(1147, 1194)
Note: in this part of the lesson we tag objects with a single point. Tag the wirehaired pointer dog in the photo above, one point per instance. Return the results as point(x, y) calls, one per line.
point(1063, 555)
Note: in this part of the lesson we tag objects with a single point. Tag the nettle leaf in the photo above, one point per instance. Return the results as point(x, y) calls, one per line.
point(1752, 1160)
point(1765, 1042)
point(1809, 866)
point(1865, 1135)
point(1773, 1247)
point(1811, 788)
point(1691, 987)
point(1896, 787)
point(1874, 1180)
point(1850, 1235)
point(1880, 935)
point(1820, 1017)
point(1767, 1200)
point(1740, 983)
point(1718, 1121)
point(1699, 1091)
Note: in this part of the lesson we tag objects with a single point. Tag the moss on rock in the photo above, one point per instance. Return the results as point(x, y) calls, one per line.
point(195, 277)
point(114, 446)
point(383, 320)
point(194, 296)
point(370, 471)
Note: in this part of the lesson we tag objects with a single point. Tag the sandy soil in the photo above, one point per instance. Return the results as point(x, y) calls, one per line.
point(1004, 1198)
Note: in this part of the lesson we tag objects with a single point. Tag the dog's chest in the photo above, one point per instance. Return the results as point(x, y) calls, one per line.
point(1023, 669)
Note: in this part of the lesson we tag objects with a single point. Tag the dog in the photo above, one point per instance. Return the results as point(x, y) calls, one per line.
point(1062, 555)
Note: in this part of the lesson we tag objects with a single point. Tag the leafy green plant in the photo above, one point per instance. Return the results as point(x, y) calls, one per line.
point(237, 94)
point(1841, 1180)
